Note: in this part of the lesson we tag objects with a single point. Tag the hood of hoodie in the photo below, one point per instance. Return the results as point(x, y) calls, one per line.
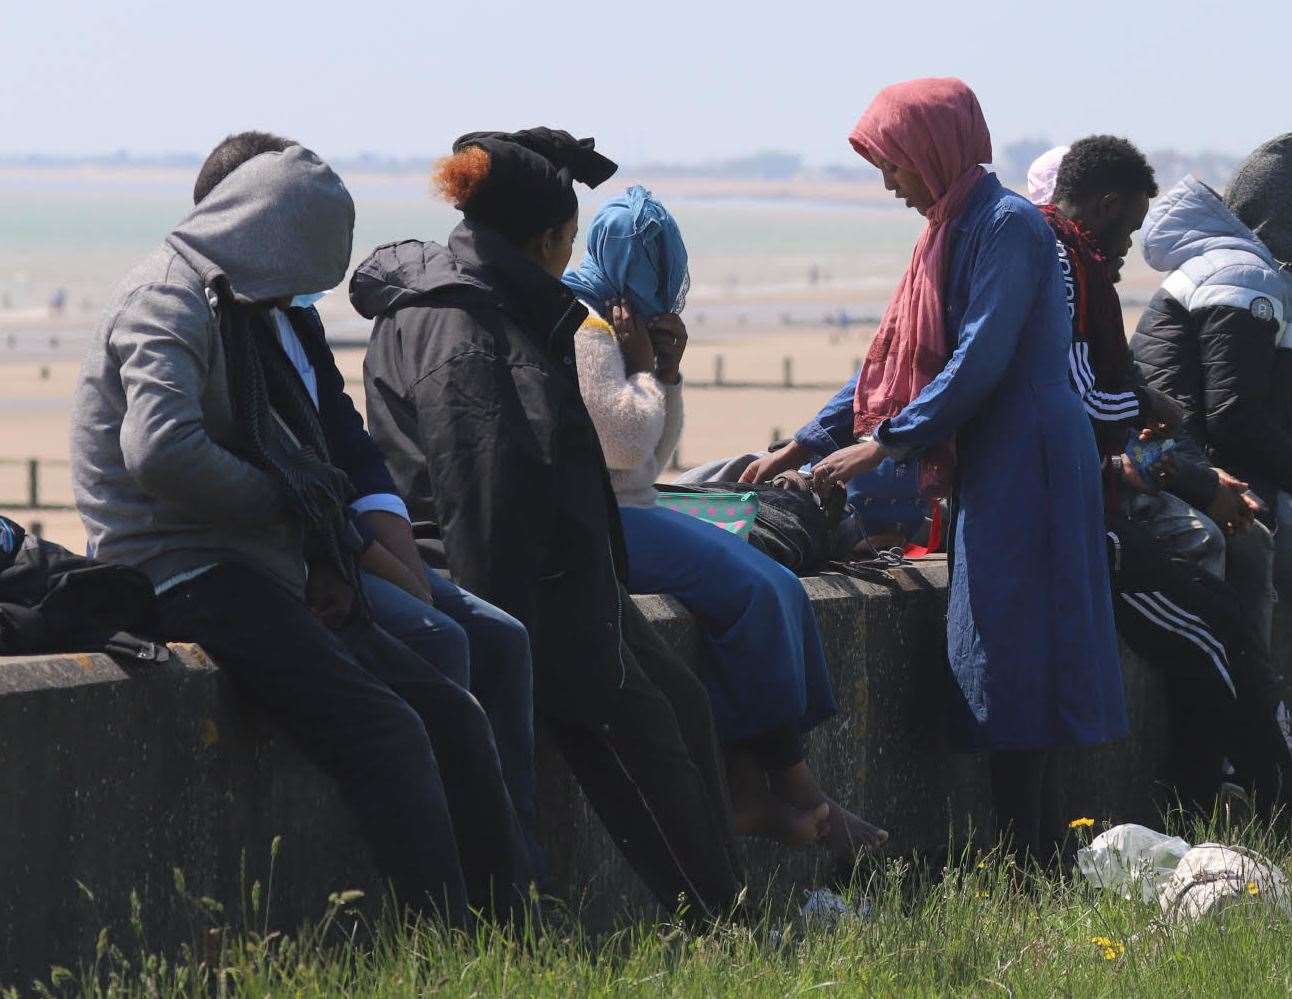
point(1261, 195)
point(279, 225)
point(1191, 219)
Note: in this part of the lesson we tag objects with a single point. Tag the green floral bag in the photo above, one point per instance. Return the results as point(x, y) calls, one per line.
point(733, 512)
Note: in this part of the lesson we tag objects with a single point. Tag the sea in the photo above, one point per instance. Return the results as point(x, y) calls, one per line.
point(758, 265)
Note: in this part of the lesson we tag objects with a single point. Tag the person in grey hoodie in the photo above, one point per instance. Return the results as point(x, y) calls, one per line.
point(199, 459)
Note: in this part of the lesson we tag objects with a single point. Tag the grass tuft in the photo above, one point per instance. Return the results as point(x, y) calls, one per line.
point(977, 926)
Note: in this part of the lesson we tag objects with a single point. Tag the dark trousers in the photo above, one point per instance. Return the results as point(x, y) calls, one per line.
point(640, 740)
point(1224, 698)
point(412, 752)
point(1026, 794)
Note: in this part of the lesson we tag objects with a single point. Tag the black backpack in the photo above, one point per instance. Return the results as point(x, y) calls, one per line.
point(791, 526)
point(54, 601)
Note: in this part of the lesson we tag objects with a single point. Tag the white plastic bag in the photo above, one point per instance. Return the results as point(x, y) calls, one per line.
point(1131, 859)
point(1211, 877)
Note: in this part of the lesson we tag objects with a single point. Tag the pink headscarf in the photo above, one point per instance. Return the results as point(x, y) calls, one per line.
point(1043, 175)
point(936, 128)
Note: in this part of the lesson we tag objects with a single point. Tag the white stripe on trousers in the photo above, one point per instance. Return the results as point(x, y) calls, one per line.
point(1198, 635)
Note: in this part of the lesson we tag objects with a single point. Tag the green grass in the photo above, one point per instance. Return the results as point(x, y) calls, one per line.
point(978, 927)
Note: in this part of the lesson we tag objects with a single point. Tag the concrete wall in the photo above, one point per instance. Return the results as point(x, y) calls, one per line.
point(112, 776)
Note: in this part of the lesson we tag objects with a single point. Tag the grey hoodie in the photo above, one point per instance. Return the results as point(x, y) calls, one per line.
point(155, 472)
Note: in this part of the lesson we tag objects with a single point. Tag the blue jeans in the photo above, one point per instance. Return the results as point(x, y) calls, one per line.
point(480, 648)
point(767, 671)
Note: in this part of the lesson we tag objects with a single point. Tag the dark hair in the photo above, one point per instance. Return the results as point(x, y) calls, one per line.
point(231, 153)
point(1103, 164)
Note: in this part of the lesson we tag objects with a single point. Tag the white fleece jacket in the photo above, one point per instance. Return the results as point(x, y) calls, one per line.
point(638, 418)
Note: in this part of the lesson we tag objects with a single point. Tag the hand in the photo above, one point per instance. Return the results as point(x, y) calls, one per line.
point(328, 595)
point(1231, 508)
point(1163, 470)
point(634, 341)
point(668, 335)
point(378, 560)
point(846, 463)
point(771, 465)
point(395, 535)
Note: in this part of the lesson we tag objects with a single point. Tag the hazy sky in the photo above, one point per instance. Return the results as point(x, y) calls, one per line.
point(654, 79)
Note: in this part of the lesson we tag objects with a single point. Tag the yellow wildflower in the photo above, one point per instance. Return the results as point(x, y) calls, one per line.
point(1081, 823)
point(1253, 888)
point(1112, 949)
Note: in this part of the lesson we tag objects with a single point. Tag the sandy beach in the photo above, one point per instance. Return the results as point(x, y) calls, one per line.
point(774, 264)
point(37, 399)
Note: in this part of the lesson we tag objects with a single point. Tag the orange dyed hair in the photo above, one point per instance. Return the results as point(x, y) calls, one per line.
point(457, 177)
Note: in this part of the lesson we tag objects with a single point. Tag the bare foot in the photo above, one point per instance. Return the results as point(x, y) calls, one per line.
point(756, 811)
point(846, 834)
point(849, 834)
point(781, 821)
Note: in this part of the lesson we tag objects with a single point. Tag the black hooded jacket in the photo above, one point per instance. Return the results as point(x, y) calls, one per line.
point(474, 397)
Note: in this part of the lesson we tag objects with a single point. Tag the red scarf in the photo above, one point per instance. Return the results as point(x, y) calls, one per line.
point(1096, 312)
point(935, 128)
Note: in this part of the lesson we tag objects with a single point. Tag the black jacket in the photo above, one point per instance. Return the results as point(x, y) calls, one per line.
point(54, 601)
point(1211, 335)
point(474, 398)
point(349, 445)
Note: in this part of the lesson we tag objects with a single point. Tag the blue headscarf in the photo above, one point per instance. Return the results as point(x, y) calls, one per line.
point(635, 251)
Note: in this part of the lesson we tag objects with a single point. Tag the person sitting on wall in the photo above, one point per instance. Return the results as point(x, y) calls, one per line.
point(766, 674)
point(200, 457)
point(1215, 334)
point(1181, 619)
point(471, 642)
point(1192, 498)
point(473, 397)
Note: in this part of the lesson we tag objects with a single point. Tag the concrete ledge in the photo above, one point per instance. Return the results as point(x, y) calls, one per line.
point(112, 776)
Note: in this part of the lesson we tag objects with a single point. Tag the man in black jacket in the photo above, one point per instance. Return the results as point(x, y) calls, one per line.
point(1215, 335)
point(473, 397)
point(1184, 621)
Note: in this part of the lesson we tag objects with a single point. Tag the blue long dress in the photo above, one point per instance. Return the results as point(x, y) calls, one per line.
point(1030, 630)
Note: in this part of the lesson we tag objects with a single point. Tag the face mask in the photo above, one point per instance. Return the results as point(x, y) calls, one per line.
point(305, 301)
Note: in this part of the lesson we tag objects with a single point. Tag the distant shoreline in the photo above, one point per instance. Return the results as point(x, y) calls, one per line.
point(804, 189)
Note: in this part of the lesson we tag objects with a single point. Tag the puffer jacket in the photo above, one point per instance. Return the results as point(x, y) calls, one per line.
point(473, 396)
point(1215, 335)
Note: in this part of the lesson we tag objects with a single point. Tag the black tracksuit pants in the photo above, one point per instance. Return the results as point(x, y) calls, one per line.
point(1225, 699)
point(411, 751)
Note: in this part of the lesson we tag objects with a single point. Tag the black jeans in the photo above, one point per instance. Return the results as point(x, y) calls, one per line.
point(411, 751)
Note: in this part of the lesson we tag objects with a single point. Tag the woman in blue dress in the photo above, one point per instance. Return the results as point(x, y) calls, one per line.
point(766, 675)
point(968, 372)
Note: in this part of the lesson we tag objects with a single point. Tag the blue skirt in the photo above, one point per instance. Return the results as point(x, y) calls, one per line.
point(767, 670)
